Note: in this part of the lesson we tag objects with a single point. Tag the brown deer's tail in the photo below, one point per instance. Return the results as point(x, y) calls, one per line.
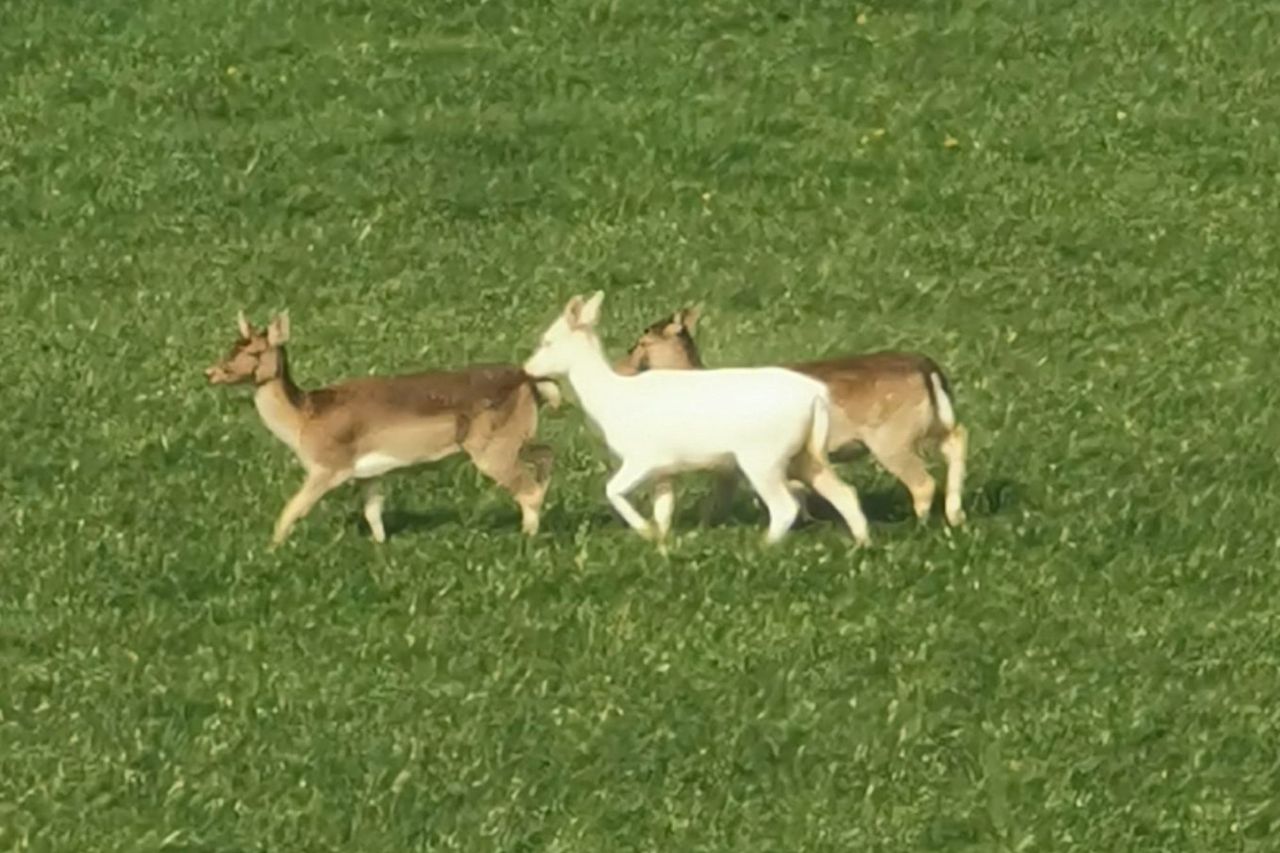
point(546, 392)
point(940, 395)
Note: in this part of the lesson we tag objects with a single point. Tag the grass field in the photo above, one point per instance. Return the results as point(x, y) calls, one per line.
point(1072, 205)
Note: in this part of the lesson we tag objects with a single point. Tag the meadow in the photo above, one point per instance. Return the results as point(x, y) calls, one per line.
point(1073, 206)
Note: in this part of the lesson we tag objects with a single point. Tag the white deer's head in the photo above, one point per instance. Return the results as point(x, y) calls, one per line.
point(570, 340)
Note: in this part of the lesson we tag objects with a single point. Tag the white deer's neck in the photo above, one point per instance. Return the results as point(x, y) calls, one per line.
point(593, 380)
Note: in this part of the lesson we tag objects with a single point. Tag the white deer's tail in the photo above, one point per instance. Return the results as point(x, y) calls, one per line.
point(819, 429)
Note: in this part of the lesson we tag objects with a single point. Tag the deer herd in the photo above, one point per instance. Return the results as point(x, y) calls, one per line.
point(659, 410)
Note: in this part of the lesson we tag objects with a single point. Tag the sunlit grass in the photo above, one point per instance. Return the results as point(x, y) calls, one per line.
point(1072, 206)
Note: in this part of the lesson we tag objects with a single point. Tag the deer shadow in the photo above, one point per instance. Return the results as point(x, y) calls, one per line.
point(889, 505)
point(892, 504)
point(495, 520)
point(397, 521)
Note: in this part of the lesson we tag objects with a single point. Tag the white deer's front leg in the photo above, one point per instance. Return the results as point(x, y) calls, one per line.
point(620, 484)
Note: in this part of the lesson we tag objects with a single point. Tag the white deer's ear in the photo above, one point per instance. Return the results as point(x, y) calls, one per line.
point(246, 331)
point(278, 331)
point(590, 313)
point(572, 309)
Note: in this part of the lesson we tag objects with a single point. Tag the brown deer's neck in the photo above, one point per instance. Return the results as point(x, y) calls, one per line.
point(280, 401)
point(691, 351)
point(295, 394)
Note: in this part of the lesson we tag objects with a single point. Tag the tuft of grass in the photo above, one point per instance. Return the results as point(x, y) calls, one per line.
point(1071, 206)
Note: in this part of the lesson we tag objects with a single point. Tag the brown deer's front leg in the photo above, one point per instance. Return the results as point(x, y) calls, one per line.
point(319, 482)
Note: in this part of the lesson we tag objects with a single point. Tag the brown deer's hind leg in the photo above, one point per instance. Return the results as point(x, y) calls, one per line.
point(499, 444)
point(373, 510)
point(538, 460)
point(901, 460)
point(954, 448)
point(523, 470)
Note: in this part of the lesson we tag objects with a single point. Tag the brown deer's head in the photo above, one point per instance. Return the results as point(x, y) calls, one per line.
point(665, 345)
point(256, 356)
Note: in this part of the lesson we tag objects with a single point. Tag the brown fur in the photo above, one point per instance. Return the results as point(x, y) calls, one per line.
point(488, 411)
point(665, 345)
point(876, 389)
point(883, 401)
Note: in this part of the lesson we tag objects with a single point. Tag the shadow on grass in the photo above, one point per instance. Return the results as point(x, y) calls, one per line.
point(893, 505)
point(399, 521)
point(882, 506)
point(558, 521)
point(494, 520)
point(998, 497)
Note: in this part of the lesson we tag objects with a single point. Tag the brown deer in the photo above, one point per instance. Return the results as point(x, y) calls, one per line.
point(363, 428)
point(892, 403)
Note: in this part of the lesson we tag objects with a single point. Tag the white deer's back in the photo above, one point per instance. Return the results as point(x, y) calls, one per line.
point(701, 416)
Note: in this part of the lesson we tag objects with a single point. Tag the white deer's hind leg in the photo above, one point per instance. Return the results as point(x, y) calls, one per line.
point(841, 496)
point(624, 480)
point(770, 482)
point(664, 505)
point(373, 509)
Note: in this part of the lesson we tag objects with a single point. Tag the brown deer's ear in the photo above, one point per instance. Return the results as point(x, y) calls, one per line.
point(689, 317)
point(246, 331)
point(278, 331)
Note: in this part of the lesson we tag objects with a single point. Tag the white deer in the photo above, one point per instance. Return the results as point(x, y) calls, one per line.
point(768, 421)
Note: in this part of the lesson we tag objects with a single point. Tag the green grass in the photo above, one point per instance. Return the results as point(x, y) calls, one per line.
point(1090, 665)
